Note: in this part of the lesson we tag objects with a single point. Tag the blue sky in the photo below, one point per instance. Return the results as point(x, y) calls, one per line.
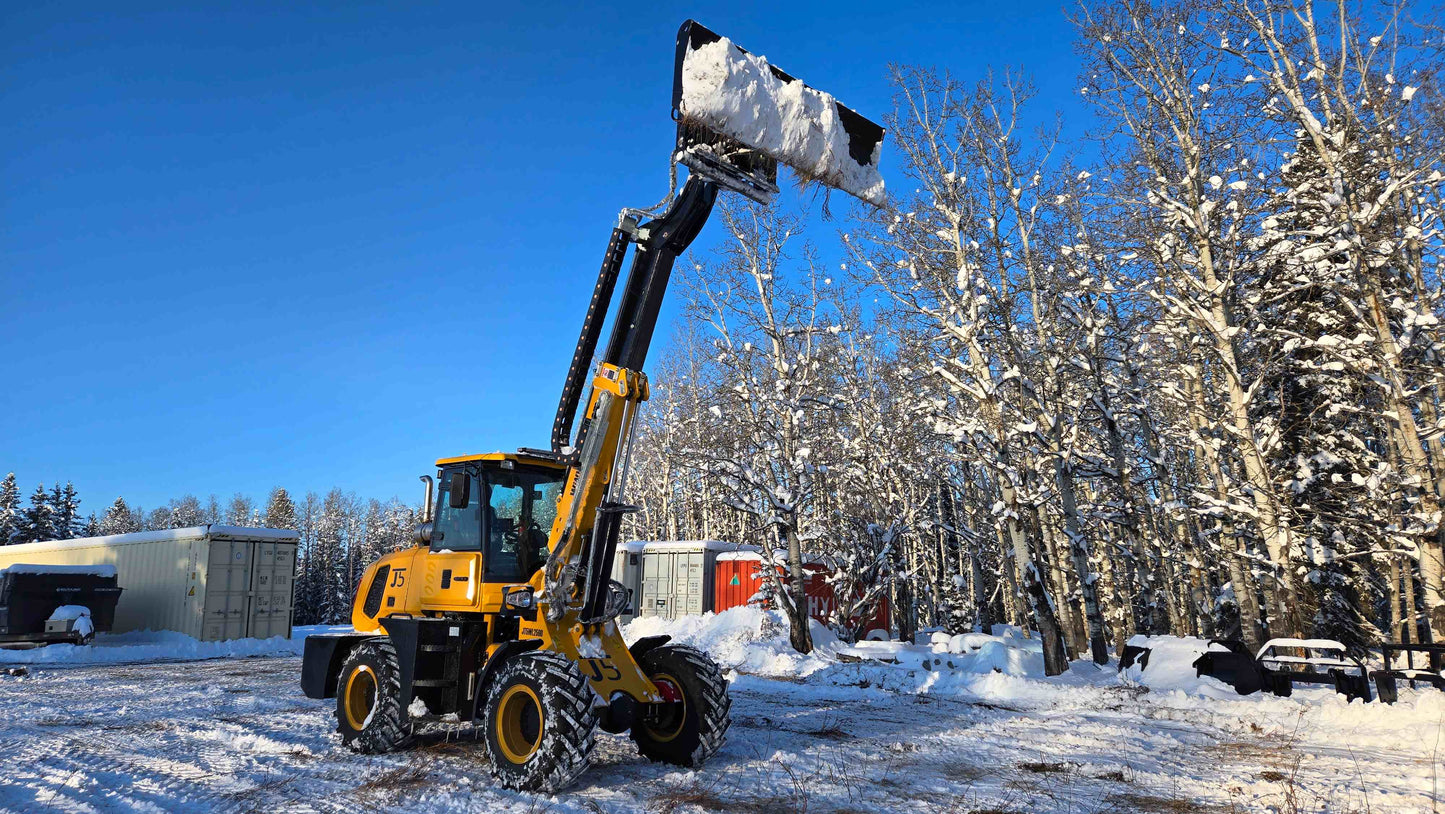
point(269, 244)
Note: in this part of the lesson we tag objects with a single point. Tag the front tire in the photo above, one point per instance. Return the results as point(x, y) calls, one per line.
point(695, 730)
point(370, 714)
point(540, 722)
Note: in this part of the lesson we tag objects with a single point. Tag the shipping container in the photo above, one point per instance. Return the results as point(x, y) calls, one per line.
point(739, 581)
point(210, 582)
point(677, 577)
point(627, 569)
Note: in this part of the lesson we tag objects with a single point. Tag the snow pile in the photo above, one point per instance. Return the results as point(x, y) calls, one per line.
point(746, 638)
point(754, 642)
point(736, 94)
point(79, 614)
point(165, 645)
point(1006, 652)
point(65, 613)
point(1170, 667)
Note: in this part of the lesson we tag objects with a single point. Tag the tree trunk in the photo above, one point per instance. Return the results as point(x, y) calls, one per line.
point(1392, 595)
point(983, 618)
point(1079, 553)
point(1415, 464)
point(1041, 606)
point(1249, 627)
point(800, 636)
point(1412, 619)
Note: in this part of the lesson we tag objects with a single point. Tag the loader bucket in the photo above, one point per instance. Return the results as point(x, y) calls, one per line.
point(739, 117)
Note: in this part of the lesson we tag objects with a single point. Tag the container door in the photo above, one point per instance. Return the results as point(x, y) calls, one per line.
point(283, 587)
point(632, 579)
point(657, 588)
point(647, 605)
point(228, 582)
point(690, 582)
point(729, 592)
point(271, 590)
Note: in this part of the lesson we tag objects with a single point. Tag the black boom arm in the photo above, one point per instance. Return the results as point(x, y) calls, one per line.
point(659, 242)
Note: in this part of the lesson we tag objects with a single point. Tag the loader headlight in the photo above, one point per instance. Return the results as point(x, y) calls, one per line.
point(519, 598)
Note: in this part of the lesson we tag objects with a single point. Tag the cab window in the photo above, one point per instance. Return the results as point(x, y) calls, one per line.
point(521, 506)
point(458, 529)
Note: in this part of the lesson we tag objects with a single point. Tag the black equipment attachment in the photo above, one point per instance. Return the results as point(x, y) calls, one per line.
point(742, 158)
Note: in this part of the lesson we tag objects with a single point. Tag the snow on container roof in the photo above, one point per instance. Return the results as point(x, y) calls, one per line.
point(214, 530)
point(755, 553)
point(695, 545)
point(104, 571)
point(632, 546)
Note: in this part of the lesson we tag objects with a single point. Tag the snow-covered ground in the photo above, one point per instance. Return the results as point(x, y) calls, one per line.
point(149, 646)
point(963, 724)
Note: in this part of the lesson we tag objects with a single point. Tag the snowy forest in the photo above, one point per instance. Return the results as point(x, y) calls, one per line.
point(340, 533)
point(1182, 376)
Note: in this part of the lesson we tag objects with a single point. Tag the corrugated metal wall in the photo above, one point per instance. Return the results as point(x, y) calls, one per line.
point(627, 569)
point(677, 577)
point(208, 586)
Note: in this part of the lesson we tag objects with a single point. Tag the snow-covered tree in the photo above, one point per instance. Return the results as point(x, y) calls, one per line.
point(11, 521)
point(185, 513)
point(239, 510)
point(37, 522)
point(118, 519)
point(770, 325)
point(65, 504)
point(280, 510)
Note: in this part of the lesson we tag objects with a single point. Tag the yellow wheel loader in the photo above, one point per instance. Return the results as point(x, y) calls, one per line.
point(503, 613)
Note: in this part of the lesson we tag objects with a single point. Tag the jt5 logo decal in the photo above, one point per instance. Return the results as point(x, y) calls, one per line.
point(603, 670)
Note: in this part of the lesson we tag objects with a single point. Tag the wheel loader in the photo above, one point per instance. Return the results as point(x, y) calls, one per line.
point(503, 614)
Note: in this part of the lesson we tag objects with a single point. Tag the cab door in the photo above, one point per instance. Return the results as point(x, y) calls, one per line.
point(451, 571)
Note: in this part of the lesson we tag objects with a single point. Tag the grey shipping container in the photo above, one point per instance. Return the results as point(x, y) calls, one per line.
point(677, 577)
point(627, 569)
point(209, 582)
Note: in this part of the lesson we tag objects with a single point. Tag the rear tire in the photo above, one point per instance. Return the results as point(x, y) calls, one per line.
point(540, 722)
point(370, 714)
point(695, 733)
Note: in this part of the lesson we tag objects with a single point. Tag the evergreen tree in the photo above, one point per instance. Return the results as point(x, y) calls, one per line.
point(91, 528)
point(333, 590)
point(309, 562)
point(1319, 403)
point(65, 504)
point(38, 521)
point(118, 519)
point(10, 517)
point(280, 510)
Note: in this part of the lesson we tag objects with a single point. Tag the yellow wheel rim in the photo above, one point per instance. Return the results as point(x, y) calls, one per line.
point(360, 696)
point(519, 723)
point(672, 723)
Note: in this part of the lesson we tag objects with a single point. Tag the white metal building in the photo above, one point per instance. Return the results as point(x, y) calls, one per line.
point(210, 582)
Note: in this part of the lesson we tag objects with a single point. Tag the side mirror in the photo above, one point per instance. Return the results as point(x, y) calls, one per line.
point(460, 491)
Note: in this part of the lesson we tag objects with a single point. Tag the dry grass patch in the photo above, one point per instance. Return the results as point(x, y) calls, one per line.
point(395, 780)
point(1044, 768)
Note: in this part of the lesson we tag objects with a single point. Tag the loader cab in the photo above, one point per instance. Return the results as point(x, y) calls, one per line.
point(501, 508)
